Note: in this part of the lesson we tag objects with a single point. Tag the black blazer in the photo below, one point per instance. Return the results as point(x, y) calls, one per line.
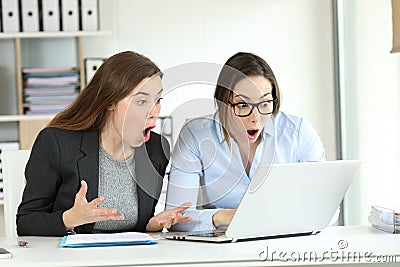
point(60, 159)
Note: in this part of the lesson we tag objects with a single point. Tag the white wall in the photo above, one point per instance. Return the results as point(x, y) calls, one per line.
point(372, 92)
point(295, 38)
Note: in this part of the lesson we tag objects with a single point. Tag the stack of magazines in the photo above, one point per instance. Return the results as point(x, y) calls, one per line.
point(385, 219)
point(48, 91)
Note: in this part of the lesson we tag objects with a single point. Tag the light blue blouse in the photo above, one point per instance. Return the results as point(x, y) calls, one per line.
point(202, 160)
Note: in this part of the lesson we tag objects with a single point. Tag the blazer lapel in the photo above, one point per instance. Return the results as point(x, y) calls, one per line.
point(146, 178)
point(88, 165)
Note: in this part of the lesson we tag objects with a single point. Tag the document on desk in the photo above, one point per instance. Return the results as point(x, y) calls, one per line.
point(385, 219)
point(102, 240)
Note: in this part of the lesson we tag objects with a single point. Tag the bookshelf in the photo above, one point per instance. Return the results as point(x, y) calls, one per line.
point(30, 125)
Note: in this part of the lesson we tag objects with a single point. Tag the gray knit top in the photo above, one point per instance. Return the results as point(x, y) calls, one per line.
point(118, 187)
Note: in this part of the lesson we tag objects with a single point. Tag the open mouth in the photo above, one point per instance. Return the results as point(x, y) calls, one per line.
point(252, 134)
point(146, 133)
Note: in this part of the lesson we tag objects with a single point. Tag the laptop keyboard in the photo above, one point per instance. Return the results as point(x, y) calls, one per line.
point(215, 233)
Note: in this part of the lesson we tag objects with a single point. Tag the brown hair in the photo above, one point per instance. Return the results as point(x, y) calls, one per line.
point(235, 69)
point(112, 82)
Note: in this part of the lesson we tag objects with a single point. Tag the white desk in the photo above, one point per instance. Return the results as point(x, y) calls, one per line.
point(360, 241)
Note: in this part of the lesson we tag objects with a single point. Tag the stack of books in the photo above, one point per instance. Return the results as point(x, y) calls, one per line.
point(48, 91)
point(384, 219)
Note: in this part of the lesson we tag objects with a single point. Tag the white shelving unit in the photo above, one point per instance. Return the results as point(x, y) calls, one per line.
point(16, 118)
point(32, 124)
point(7, 35)
point(78, 35)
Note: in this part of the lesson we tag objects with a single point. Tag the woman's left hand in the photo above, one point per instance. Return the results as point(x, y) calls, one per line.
point(168, 218)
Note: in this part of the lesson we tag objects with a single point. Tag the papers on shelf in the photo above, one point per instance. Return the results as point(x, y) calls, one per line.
point(103, 240)
point(49, 90)
point(50, 98)
point(51, 78)
point(384, 219)
point(47, 70)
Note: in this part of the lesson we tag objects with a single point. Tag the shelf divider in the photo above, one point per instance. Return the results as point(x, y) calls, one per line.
point(4, 35)
point(81, 63)
point(18, 72)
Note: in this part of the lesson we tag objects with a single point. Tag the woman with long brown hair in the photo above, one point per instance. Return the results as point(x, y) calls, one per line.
point(97, 167)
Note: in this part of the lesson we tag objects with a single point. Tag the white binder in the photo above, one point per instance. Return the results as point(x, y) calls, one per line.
point(30, 15)
point(10, 15)
point(90, 15)
point(51, 15)
point(91, 66)
point(1, 190)
point(69, 15)
point(167, 126)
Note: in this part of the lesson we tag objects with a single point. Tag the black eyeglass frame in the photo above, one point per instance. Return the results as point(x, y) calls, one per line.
point(253, 105)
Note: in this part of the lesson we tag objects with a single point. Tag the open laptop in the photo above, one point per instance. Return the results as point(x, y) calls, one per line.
point(284, 200)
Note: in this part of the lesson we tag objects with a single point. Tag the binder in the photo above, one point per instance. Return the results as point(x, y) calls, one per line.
point(91, 66)
point(30, 15)
point(1, 190)
point(50, 15)
point(69, 15)
point(10, 15)
point(89, 15)
point(167, 126)
point(105, 240)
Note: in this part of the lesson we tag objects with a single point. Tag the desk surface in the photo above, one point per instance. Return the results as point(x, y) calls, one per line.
point(334, 245)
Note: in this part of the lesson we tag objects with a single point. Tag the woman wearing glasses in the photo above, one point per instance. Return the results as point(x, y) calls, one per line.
point(220, 153)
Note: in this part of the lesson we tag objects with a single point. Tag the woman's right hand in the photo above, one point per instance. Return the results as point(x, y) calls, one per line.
point(84, 212)
point(223, 217)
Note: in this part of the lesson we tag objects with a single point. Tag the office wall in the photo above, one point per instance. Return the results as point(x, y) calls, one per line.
point(295, 37)
point(372, 93)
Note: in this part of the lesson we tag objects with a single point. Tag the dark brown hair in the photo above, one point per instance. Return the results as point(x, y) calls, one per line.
point(236, 68)
point(112, 82)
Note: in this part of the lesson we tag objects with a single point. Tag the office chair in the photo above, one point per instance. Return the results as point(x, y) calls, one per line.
point(14, 163)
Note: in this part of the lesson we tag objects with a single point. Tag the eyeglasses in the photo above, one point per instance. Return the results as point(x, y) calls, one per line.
point(243, 109)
